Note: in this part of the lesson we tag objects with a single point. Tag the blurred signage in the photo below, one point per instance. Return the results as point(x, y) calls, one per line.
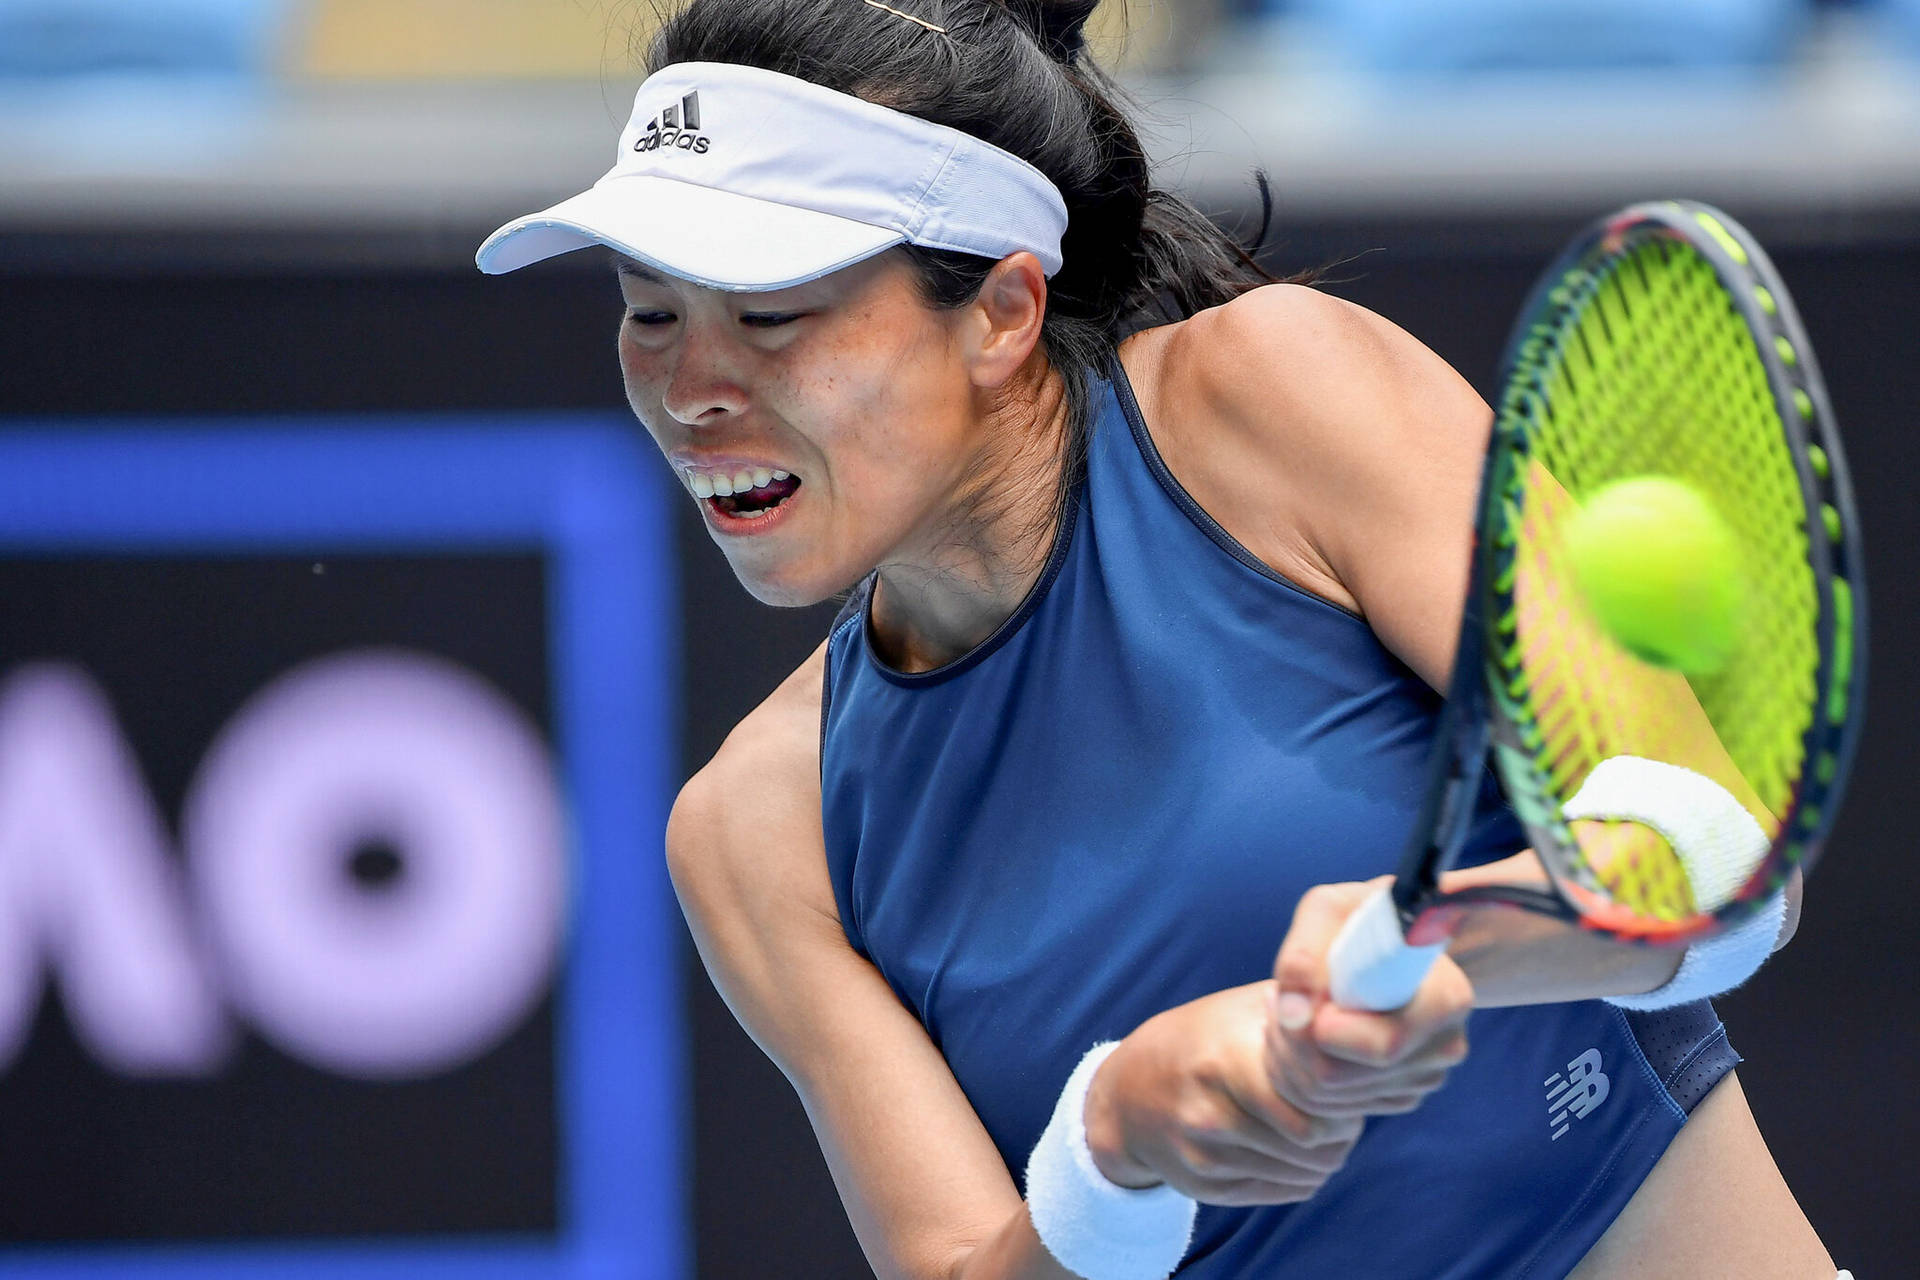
point(373, 860)
point(334, 938)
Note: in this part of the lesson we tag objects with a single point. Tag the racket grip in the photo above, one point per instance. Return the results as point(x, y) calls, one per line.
point(1372, 965)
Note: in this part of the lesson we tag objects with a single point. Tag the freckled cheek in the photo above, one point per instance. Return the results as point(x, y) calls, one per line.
point(864, 381)
point(639, 371)
point(634, 365)
point(878, 414)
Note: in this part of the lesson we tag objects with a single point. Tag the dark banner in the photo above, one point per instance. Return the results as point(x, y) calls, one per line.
point(334, 758)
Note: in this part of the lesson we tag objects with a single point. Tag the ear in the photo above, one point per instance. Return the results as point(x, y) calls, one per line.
point(1003, 324)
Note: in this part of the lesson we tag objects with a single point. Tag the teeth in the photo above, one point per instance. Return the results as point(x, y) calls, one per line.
point(710, 484)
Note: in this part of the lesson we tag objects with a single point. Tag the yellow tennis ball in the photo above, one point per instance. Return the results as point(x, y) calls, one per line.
point(1662, 571)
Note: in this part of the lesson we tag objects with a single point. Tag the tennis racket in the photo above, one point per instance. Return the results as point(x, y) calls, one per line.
point(1660, 344)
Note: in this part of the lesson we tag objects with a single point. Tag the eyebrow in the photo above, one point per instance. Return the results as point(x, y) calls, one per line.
point(626, 266)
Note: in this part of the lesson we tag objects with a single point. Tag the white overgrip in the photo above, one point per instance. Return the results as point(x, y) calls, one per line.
point(1372, 965)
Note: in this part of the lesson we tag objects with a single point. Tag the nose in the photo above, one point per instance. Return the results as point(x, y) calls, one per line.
point(701, 382)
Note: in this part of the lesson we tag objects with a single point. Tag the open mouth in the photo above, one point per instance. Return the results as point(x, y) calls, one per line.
point(741, 493)
point(759, 501)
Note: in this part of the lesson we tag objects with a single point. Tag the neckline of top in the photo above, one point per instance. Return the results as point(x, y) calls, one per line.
point(1111, 385)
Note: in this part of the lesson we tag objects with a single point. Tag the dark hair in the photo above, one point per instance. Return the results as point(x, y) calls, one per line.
point(1013, 73)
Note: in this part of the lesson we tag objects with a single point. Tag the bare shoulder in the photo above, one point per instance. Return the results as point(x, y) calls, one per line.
point(1277, 338)
point(1331, 444)
point(773, 754)
point(748, 859)
point(1298, 370)
point(922, 1182)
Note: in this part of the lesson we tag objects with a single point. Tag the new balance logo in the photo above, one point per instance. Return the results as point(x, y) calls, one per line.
point(1575, 1094)
point(677, 127)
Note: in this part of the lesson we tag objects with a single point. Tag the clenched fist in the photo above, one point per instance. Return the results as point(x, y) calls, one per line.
point(1256, 1095)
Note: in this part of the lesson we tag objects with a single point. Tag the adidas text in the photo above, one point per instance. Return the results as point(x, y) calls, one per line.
point(678, 139)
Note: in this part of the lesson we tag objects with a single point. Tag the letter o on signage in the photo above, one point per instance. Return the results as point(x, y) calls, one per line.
point(424, 759)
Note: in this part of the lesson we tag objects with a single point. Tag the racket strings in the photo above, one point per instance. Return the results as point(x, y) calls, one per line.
point(1648, 368)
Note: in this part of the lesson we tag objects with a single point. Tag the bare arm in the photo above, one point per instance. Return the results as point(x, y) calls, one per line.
point(922, 1183)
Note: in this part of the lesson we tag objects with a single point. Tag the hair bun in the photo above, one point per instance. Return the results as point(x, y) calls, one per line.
point(1059, 25)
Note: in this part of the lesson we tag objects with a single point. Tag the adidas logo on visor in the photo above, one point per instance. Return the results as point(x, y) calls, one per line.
point(677, 127)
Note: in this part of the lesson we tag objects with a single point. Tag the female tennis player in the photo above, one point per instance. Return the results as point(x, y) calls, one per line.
point(1139, 661)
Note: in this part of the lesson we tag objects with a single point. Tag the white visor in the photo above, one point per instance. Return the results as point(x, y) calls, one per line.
point(737, 178)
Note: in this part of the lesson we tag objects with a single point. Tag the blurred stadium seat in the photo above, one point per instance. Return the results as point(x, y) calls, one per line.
point(589, 39)
point(469, 39)
point(1476, 35)
point(1904, 17)
point(58, 38)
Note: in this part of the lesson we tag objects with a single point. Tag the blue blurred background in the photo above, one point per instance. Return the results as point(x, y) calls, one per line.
point(252, 218)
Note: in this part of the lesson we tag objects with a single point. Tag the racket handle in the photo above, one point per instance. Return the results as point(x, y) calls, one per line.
point(1371, 963)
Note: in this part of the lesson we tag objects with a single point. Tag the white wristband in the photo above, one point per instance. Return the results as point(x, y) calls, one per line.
point(1097, 1229)
point(1718, 844)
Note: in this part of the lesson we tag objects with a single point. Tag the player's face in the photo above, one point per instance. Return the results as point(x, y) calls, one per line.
point(823, 429)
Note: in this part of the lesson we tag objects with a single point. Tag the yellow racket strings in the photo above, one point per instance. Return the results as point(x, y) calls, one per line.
point(1656, 374)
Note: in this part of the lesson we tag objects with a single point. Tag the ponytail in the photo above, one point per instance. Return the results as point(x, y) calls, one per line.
point(1060, 28)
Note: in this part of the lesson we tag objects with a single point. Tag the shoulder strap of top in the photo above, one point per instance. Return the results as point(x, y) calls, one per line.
point(855, 607)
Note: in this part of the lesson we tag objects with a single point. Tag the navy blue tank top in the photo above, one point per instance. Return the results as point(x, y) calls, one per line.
point(1111, 806)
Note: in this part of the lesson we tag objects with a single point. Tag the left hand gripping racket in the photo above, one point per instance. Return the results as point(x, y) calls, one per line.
point(1660, 344)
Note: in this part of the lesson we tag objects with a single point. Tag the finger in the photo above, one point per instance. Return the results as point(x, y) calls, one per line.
point(1267, 1156)
point(1309, 1079)
point(1376, 1042)
point(1350, 1090)
point(1368, 1100)
point(1300, 1074)
point(1279, 1154)
point(1239, 1113)
point(1427, 1026)
point(1274, 1123)
point(1398, 1106)
point(1252, 1192)
point(1359, 1051)
point(1322, 1150)
point(1385, 1102)
point(1300, 969)
point(1370, 1084)
point(1260, 1162)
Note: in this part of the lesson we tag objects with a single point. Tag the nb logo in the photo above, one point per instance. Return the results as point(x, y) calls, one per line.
point(677, 127)
point(1575, 1095)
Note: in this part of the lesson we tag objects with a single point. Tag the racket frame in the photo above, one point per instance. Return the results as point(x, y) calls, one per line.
point(1476, 722)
